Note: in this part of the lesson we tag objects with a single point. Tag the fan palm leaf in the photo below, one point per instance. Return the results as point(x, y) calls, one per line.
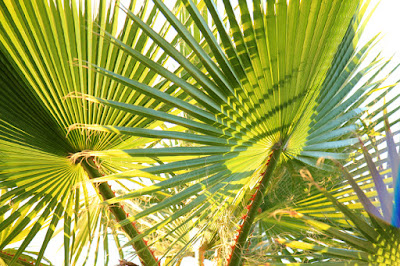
point(39, 43)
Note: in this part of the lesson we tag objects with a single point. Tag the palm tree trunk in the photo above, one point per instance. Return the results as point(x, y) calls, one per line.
point(255, 203)
point(145, 254)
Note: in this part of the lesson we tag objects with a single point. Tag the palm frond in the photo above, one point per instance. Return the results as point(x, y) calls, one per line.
point(42, 45)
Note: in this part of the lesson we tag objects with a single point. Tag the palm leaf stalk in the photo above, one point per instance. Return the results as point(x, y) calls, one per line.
point(253, 207)
point(240, 104)
point(145, 254)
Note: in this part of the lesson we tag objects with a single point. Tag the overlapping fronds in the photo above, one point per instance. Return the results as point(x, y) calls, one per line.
point(276, 75)
point(247, 92)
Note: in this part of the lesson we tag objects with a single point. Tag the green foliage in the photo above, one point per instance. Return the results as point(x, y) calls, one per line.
point(179, 111)
point(348, 221)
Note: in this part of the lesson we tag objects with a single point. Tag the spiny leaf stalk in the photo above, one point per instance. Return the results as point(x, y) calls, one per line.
point(253, 206)
point(145, 254)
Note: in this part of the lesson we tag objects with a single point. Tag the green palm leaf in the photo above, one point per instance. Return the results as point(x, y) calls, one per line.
point(40, 43)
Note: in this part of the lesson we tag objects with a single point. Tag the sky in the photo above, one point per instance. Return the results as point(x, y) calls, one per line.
point(386, 20)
